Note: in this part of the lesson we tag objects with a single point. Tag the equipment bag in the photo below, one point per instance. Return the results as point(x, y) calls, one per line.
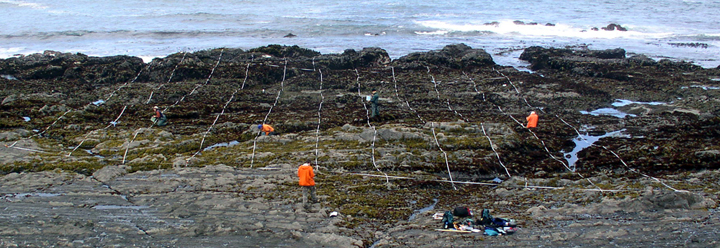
point(462, 212)
point(485, 218)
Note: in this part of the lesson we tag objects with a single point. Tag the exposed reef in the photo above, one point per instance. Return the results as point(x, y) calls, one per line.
point(78, 126)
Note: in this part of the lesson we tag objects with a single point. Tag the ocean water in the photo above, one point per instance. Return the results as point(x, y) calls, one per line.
point(675, 29)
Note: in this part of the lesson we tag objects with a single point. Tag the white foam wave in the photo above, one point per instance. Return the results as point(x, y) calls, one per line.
point(25, 4)
point(508, 27)
point(9, 52)
point(439, 32)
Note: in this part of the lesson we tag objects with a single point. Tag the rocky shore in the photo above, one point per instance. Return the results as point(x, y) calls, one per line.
point(83, 167)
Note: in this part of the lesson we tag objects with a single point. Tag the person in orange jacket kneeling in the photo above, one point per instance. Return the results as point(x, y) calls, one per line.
point(532, 120)
point(307, 182)
point(267, 129)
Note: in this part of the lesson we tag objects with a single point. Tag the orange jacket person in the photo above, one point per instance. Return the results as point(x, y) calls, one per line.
point(532, 120)
point(266, 128)
point(307, 182)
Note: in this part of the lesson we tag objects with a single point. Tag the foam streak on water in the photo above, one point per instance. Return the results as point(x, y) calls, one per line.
point(682, 30)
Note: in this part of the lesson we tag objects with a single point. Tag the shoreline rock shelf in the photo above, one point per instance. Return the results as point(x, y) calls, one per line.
point(457, 95)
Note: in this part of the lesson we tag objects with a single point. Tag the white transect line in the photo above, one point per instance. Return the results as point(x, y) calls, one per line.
point(538, 138)
point(475, 85)
point(68, 111)
point(549, 152)
point(169, 79)
point(619, 158)
point(127, 83)
point(447, 163)
point(432, 125)
point(277, 98)
point(317, 131)
point(491, 184)
point(434, 83)
point(106, 127)
point(607, 149)
point(482, 125)
point(406, 102)
point(26, 149)
point(40, 133)
point(148, 101)
point(197, 85)
point(516, 89)
point(112, 123)
point(643, 174)
point(535, 135)
point(367, 116)
point(247, 69)
point(492, 146)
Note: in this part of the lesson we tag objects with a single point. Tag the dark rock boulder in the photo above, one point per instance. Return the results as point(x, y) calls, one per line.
point(642, 60)
point(113, 69)
point(286, 51)
point(613, 26)
point(568, 59)
point(452, 56)
point(350, 59)
point(52, 65)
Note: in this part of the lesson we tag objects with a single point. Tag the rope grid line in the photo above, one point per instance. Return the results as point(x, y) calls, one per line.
point(533, 133)
point(604, 147)
point(319, 110)
point(197, 85)
point(447, 101)
point(277, 98)
point(69, 110)
point(542, 142)
point(367, 115)
point(482, 126)
point(432, 125)
point(247, 69)
point(96, 130)
point(112, 123)
point(317, 131)
point(172, 74)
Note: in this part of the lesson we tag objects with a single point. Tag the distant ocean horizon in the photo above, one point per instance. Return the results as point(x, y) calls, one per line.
point(687, 30)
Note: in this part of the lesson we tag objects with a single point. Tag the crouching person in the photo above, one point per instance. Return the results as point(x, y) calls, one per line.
point(158, 119)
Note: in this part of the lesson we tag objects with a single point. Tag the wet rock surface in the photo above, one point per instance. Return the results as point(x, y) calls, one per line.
point(83, 166)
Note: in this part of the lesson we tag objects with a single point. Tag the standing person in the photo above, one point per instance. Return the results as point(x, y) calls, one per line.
point(158, 118)
point(307, 182)
point(374, 104)
point(532, 120)
point(269, 130)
